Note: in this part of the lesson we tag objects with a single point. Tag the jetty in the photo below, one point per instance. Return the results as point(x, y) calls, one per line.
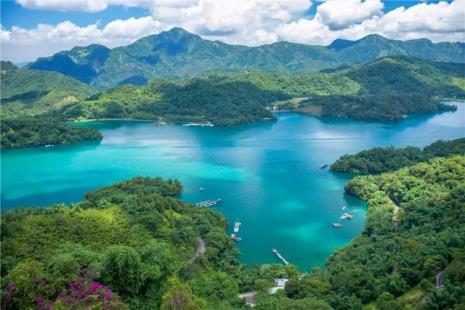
point(208, 203)
point(280, 256)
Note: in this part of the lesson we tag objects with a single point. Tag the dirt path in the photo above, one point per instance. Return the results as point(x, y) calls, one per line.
point(201, 248)
point(439, 280)
point(395, 214)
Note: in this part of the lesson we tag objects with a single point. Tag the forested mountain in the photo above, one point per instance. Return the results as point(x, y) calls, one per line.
point(378, 160)
point(391, 88)
point(134, 244)
point(32, 92)
point(178, 53)
point(216, 99)
point(386, 89)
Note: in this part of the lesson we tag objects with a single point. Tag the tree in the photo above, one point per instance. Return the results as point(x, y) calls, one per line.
point(179, 297)
point(123, 270)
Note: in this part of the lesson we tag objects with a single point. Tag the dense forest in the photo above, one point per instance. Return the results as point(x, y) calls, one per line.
point(386, 89)
point(39, 131)
point(134, 244)
point(31, 92)
point(390, 88)
point(215, 99)
point(378, 160)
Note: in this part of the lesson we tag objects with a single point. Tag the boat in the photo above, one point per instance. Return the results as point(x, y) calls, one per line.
point(237, 226)
point(48, 145)
point(346, 216)
point(343, 207)
point(337, 225)
point(201, 189)
point(204, 124)
point(160, 122)
point(235, 238)
point(324, 166)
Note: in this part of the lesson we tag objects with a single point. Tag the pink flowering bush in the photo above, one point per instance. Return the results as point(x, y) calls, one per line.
point(83, 293)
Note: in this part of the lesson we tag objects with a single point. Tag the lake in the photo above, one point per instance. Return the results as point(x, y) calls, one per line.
point(268, 173)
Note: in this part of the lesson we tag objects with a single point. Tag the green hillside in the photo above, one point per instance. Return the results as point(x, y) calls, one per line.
point(39, 131)
point(379, 160)
point(387, 89)
point(216, 99)
point(32, 92)
point(178, 53)
point(391, 88)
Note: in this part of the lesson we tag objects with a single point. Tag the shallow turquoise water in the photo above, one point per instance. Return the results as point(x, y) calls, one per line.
point(268, 174)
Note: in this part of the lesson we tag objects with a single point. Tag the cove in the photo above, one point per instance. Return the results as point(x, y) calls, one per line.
point(268, 173)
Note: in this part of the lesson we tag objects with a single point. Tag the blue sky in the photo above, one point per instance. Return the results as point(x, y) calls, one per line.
point(34, 28)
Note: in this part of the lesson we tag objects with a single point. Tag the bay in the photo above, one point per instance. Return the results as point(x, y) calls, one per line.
point(268, 174)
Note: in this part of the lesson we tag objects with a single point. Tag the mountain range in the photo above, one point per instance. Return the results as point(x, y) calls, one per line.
point(177, 53)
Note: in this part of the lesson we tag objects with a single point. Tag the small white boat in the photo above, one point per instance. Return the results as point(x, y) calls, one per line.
point(237, 226)
point(337, 225)
point(346, 216)
point(343, 207)
point(201, 189)
point(204, 124)
point(48, 145)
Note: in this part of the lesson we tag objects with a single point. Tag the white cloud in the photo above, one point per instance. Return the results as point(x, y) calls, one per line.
point(339, 14)
point(21, 44)
point(77, 5)
point(249, 22)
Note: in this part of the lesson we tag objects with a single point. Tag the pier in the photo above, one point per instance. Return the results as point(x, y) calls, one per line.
point(280, 256)
point(208, 203)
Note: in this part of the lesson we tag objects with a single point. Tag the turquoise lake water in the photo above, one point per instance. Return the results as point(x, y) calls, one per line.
point(268, 174)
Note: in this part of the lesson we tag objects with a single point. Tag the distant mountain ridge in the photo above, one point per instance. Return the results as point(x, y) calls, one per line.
point(178, 53)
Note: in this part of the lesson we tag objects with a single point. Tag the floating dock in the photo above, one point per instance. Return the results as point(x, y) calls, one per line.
point(280, 256)
point(208, 203)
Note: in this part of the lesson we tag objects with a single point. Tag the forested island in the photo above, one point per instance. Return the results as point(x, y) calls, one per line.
point(135, 245)
point(42, 131)
point(378, 160)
